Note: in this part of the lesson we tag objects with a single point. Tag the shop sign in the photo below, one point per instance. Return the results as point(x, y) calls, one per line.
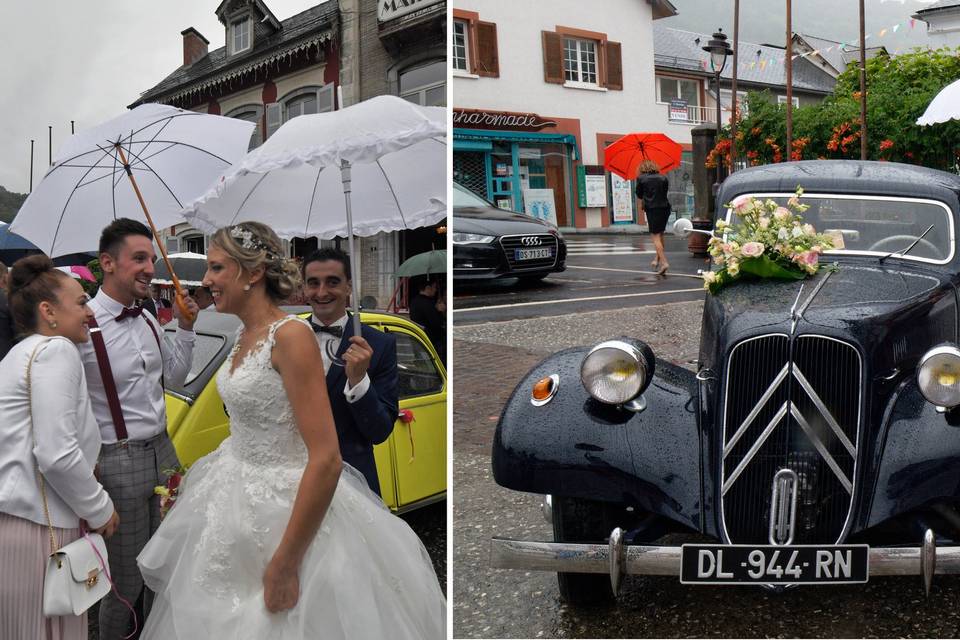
point(596, 187)
point(591, 186)
point(622, 198)
point(678, 111)
point(502, 120)
point(539, 204)
point(390, 9)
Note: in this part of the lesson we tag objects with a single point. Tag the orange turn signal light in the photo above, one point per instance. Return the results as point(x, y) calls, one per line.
point(543, 388)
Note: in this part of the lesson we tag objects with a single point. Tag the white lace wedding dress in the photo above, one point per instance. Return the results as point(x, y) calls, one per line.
point(365, 575)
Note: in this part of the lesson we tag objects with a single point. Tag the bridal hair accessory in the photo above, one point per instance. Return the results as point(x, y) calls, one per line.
point(72, 582)
point(246, 239)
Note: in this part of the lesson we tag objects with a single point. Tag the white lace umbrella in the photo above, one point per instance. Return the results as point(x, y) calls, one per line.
point(379, 165)
point(154, 154)
point(945, 106)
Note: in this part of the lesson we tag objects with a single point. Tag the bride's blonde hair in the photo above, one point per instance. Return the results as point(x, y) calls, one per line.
point(253, 244)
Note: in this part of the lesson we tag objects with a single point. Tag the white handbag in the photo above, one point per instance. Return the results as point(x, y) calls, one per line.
point(75, 578)
point(76, 575)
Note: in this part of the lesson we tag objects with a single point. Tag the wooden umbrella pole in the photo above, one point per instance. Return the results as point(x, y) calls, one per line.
point(156, 236)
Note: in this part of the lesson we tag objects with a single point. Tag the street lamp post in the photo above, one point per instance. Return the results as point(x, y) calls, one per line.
point(719, 49)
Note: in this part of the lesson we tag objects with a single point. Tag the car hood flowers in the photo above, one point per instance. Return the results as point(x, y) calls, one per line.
point(768, 240)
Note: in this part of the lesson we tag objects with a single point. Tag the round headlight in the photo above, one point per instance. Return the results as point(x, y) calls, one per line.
point(615, 372)
point(938, 376)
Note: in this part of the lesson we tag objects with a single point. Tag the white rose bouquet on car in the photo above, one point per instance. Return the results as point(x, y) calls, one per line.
point(767, 241)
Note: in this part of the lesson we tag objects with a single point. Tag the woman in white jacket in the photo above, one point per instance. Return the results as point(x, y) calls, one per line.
point(49, 309)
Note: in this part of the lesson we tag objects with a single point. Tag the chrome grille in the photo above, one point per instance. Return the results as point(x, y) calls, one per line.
point(790, 405)
point(511, 244)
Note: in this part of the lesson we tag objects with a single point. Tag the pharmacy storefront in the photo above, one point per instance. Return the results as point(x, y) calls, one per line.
point(519, 161)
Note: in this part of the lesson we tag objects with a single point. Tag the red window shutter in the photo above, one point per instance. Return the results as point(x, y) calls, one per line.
point(488, 61)
point(614, 79)
point(552, 57)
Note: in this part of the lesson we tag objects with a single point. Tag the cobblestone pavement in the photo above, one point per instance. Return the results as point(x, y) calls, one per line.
point(489, 603)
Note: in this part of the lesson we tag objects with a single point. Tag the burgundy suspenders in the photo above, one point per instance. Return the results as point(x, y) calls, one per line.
point(106, 374)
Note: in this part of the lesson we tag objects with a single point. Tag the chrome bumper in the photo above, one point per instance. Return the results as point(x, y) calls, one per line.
point(618, 559)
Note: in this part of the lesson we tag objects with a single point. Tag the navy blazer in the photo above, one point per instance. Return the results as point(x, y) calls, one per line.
point(369, 420)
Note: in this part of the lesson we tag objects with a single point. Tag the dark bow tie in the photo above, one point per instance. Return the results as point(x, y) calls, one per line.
point(334, 330)
point(129, 312)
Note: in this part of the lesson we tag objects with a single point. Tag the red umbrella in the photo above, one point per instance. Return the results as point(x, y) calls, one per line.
point(624, 156)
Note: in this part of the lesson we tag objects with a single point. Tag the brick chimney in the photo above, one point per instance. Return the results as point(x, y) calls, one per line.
point(194, 46)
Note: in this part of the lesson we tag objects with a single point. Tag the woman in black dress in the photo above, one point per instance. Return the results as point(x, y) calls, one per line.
point(652, 190)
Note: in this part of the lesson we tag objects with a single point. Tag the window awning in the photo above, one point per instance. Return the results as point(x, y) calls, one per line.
point(464, 137)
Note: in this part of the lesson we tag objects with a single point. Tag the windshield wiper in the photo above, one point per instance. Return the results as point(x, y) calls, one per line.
point(904, 252)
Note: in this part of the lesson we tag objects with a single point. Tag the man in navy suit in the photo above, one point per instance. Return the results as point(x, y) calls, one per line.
point(361, 370)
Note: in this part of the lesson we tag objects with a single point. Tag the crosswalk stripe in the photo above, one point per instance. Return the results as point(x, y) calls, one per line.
point(543, 302)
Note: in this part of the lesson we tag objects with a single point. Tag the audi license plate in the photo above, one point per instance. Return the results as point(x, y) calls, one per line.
point(769, 564)
point(533, 254)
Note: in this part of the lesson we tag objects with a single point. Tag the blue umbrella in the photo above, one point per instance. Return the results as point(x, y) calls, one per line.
point(13, 242)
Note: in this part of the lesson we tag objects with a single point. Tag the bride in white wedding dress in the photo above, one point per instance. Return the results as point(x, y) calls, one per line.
point(273, 537)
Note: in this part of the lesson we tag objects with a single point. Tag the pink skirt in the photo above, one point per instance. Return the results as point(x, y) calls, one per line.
point(24, 548)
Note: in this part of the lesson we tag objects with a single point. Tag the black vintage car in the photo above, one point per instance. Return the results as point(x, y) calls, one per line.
point(818, 440)
point(493, 243)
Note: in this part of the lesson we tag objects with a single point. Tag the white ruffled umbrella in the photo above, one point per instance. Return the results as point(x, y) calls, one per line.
point(154, 154)
point(944, 107)
point(379, 165)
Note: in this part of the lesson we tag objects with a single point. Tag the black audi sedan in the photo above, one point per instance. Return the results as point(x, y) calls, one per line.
point(818, 439)
point(489, 242)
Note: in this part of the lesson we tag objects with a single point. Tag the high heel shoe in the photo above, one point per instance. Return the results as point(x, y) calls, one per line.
point(663, 269)
point(655, 263)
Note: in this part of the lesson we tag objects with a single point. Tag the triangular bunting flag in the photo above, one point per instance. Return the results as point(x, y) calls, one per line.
point(763, 65)
point(895, 27)
point(882, 33)
point(829, 49)
point(912, 23)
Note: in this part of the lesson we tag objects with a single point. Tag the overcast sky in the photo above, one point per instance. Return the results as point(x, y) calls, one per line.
point(764, 21)
point(86, 60)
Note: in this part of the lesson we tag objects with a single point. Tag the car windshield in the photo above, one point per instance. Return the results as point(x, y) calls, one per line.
point(463, 197)
point(877, 225)
point(205, 349)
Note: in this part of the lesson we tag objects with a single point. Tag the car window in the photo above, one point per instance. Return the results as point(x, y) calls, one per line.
point(417, 373)
point(463, 197)
point(205, 349)
point(878, 225)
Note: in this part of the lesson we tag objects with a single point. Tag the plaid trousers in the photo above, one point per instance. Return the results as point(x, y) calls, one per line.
point(129, 471)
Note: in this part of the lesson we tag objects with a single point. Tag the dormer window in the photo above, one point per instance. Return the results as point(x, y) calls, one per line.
point(240, 35)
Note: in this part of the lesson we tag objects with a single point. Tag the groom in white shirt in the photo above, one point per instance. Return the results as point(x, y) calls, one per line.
point(125, 366)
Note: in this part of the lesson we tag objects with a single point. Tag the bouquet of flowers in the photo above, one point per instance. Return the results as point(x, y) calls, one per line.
point(168, 492)
point(769, 241)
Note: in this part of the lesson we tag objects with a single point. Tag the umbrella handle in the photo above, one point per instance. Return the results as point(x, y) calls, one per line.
point(184, 312)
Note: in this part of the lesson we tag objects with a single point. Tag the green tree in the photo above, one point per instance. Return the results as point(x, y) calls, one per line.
point(898, 91)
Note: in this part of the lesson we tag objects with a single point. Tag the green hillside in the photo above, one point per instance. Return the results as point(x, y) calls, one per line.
point(10, 203)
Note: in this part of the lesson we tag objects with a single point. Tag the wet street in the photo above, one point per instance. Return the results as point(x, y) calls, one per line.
point(488, 603)
point(604, 271)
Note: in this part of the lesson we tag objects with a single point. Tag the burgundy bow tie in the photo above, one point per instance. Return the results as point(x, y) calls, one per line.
point(129, 312)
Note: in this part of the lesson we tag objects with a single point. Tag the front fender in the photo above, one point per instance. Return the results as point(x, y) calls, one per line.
point(920, 461)
point(575, 446)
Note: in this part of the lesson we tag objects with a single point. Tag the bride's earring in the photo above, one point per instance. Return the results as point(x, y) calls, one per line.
point(246, 287)
point(52, 323)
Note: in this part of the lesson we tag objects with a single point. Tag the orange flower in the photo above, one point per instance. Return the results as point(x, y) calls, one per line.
point(886, 144)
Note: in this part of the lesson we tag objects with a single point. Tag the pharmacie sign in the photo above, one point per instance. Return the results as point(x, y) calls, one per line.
point(390, 9)
point(503, 120)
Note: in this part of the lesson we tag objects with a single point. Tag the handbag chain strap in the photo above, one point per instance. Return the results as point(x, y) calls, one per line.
point(43, 490)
